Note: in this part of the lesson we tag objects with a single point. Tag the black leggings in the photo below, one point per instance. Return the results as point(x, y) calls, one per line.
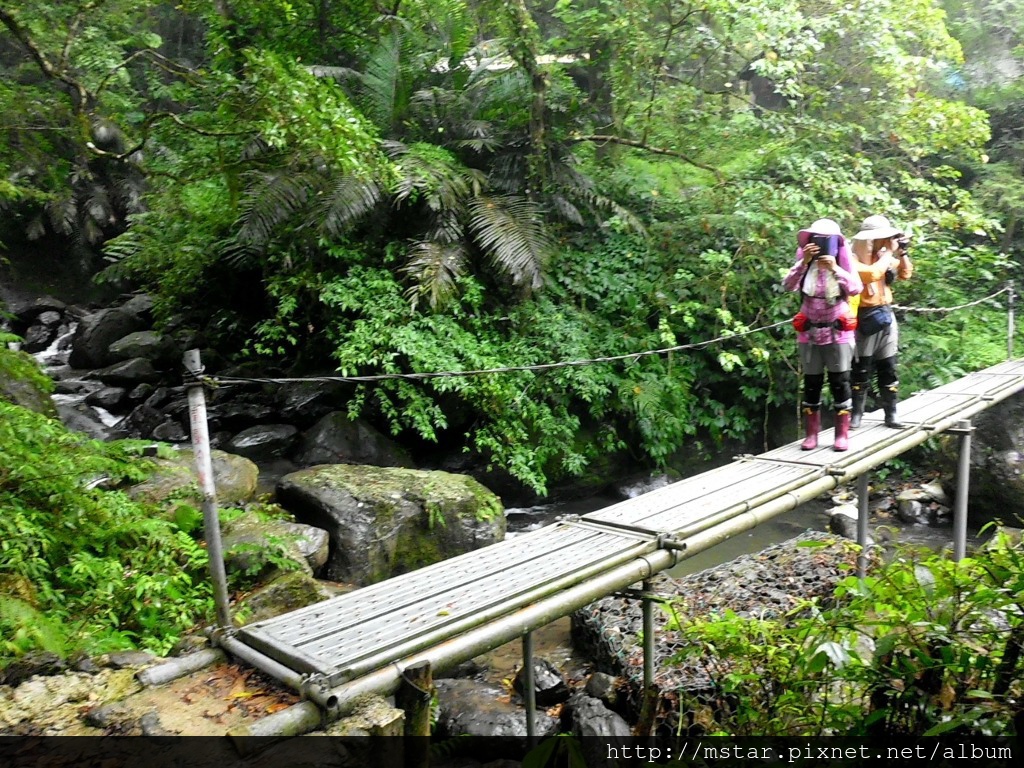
point(838, 384)
point(885, 368)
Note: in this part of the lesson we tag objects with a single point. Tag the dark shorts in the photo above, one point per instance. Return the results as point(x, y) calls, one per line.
point(818, 358)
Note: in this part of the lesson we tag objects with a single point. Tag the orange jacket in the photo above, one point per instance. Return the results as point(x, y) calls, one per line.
point(875, 291)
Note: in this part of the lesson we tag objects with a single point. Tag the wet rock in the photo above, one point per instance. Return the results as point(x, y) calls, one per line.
point(140, 306)
point(39, 336)
point(549, 686)
point(305, 402)
point(128, 659)
point(386, 521)
point(170, 431)
point(90, 347)
point(237, 415)
point(140, 392)
point(26, 311)
point(591, 718)
point(235, 478)
point(335, 439)
point(605, 687)
point(80, 417)
point(263, 441)
point(139, 423)
point(129, 373)
point(150, 725)
point(31, 664)
point(912, 511)
point(107, 397)
point(845, 526)
point(249, 542)
point(483, 709)
point(150, 345)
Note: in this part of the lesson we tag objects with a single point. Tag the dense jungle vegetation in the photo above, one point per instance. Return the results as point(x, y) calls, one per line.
point(449, 185)
point(442, 185)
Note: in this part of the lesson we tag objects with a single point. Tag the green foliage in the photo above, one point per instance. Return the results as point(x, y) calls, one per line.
point(921, 646)
point(106, 572)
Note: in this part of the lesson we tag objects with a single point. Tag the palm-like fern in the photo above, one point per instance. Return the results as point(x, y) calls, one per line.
point(459, 142)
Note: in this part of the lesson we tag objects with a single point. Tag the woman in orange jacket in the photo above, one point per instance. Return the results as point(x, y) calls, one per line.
point(880, 257)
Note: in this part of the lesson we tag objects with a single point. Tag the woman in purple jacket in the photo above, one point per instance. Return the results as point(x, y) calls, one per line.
point(826, 279)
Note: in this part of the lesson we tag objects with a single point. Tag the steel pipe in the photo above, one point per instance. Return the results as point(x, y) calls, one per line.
point(647, 606)
point(262, 662)
point(180, 666)
point(862, 523)
point(200, 430)
point(963, 481)
point(529, 690)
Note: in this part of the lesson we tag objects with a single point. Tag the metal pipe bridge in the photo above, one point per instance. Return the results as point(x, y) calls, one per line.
point(449, 612)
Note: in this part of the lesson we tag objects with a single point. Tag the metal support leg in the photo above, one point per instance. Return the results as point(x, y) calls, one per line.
point(862, 524)
point(1010, 329)
point(963, 479)
point(648, 619)
point(204, 468)
point(529, 689)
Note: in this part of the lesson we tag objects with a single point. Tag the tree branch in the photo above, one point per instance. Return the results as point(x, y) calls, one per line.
point(603, 138)
point(45, 65)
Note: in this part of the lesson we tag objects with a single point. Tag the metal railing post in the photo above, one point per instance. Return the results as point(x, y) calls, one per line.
point(204, 468)
point(862, 524)
point(529, 691)
point(1010, 302)
point(963, 480)
point(647, 605)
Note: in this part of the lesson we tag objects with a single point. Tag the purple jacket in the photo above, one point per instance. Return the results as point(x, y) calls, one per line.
point(816, 304)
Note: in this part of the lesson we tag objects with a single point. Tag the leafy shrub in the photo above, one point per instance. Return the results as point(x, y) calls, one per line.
point(87, 568)
point(922, 646)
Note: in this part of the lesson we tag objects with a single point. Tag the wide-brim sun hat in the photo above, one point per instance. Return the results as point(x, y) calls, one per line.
point(819, 227)
point(876, 228)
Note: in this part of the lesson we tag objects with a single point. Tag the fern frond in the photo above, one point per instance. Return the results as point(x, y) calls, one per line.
point(270, 200)
point(349, 201)
point(510, 230)
point(433, 269)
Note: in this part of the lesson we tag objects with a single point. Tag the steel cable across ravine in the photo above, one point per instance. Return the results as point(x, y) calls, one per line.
point(226, 380)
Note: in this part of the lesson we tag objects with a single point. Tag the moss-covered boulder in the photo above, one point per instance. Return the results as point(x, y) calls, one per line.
point(255, 542)
point(388, 520)
point(287, 592)
point(22, 383)
point(176, 480)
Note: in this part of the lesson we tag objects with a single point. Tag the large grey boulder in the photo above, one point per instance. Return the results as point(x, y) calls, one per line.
point(90, 347)
point(263, 441)
point(385, 521)
point(251, 542)
point(151, 345)
point(336, 439)
point(176, 480)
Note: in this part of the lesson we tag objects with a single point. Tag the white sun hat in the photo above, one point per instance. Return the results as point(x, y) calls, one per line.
point(819, 227)
point(876, 228)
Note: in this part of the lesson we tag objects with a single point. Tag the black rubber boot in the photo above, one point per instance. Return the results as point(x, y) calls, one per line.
point(889, 398)
point(860, 397)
